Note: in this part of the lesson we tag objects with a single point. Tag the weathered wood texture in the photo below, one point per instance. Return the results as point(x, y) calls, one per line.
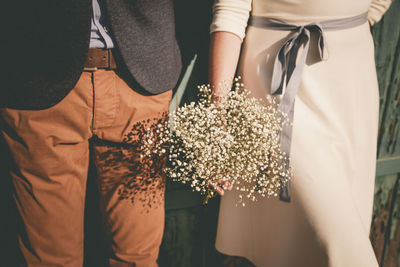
point(385, 222)
point(387, 39)
point(385, 230)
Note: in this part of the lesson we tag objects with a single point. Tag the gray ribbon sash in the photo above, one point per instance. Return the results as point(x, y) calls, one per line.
point(289, 65)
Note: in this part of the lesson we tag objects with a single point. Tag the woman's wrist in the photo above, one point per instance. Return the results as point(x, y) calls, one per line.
point(224, 55)
point(220, 92)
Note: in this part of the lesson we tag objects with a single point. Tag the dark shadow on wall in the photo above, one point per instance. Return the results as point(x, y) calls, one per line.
point(190, 227)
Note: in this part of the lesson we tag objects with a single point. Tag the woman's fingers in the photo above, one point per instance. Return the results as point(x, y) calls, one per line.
point(227, 185)
point(222, 186)
point(219, 190)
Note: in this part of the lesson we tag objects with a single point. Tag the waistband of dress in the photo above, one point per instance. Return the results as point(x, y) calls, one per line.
point(326, 25)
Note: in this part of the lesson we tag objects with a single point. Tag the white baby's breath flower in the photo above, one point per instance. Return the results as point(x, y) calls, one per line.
point(236, 141)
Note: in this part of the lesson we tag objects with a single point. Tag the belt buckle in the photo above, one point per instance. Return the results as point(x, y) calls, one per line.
point(90, 69)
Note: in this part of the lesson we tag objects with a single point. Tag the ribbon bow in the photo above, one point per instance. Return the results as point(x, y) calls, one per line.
point(285, 61)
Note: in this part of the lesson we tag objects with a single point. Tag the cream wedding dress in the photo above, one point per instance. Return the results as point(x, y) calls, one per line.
point(333, 153)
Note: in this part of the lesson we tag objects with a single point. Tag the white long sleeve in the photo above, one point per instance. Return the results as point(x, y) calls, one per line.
point(231, 16)
point(377, 9)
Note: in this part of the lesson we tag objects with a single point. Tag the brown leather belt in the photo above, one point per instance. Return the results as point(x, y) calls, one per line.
point(99, 58)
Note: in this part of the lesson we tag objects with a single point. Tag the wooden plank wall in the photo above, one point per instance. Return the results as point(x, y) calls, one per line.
point(385, 230)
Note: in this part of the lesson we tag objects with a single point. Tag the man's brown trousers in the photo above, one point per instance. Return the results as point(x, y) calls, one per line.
point(50, 149)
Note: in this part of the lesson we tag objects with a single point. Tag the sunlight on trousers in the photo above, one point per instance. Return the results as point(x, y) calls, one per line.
point(50, 149)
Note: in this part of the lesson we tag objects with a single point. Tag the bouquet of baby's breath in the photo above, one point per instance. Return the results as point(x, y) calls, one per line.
point(236, 140)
